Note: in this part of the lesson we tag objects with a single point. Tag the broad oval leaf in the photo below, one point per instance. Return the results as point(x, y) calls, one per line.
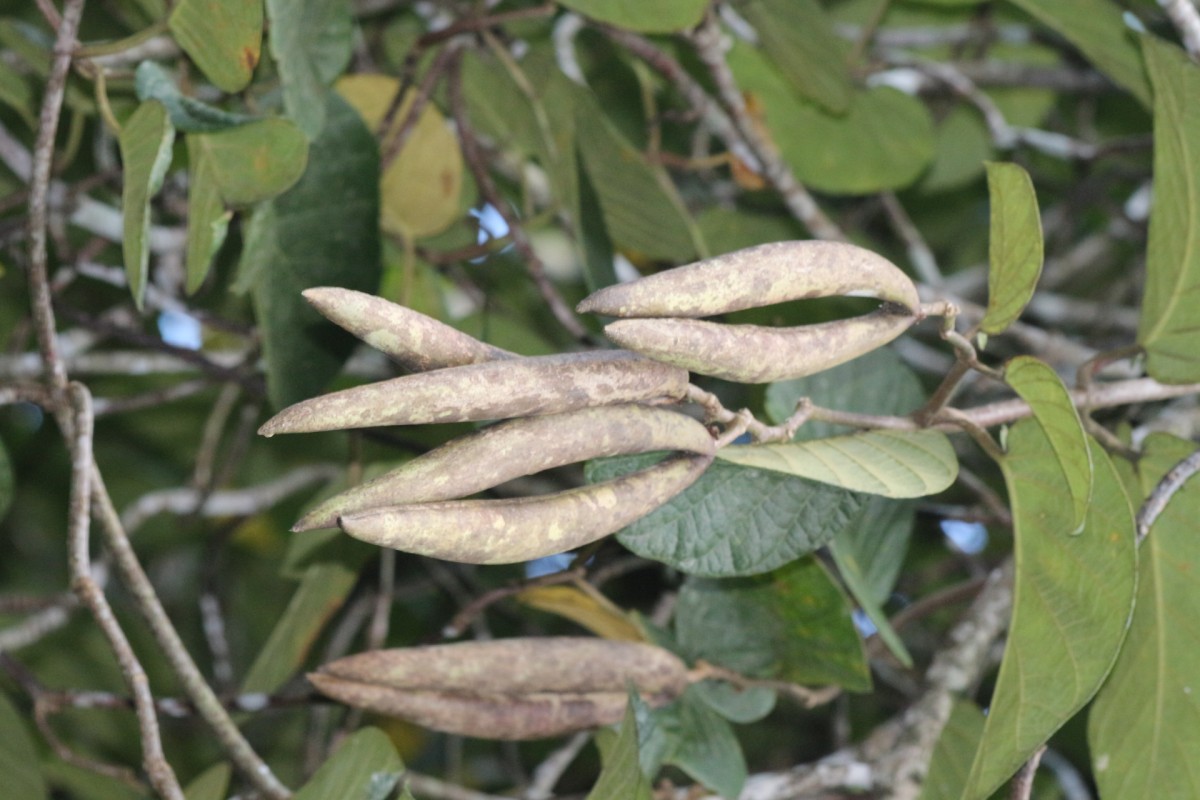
point(793, 624)
point(311, 42)
point(778, 519)
point(1072, 599)
point(1098, 29)
point(223, 37)
point(800, 39)
point(1014, 247)
point(255, 161)
point(692, 736)
point(145, 140)
point(1145, 723)
point(1171, 306)
point(897, 464)
point(420, 189)
point(1040, 387)
point(350, 771)
point(661, 16)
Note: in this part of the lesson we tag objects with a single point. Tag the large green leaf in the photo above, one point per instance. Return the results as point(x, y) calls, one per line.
point(692, 736)
point(884, 140)
point(951, 761)
point(735, 520)
point(1098, 29)
point(661, 16)
point(1041, 388)
point(1014, 246)
point(800, 39)
point(793, 624)
point(641, 208)
point(365, 757)
point(1171, 307)
point(223, 37)
point(324, 231)
point(897, 464)
point(1144, 728)
point(311, 41)
point(18, 756)
point(145, 140)
point(622, 778)
point(212, 784)
point(1072, 599)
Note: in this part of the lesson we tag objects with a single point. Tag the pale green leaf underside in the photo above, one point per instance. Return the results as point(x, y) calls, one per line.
point(1040, 387)
point(145, 141)
point(1014, 247)
point(1144, 728)
point(207, 218)
point(1072, 600)
point(348, 772)
point(890, 463)
point(951, 762)
point(1170, 321)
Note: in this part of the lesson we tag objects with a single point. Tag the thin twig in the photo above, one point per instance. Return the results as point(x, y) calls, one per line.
point(547, 773)
point(393, 136)
point(1166, 488)
point(455, 627)
point(1022, 782)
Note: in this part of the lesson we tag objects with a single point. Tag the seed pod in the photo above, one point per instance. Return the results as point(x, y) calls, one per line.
point(521, 529)
point(516, 387)
point(414, 341)
point(509, 450)
point(757, 354)
point(507, 688)
point(756, 277)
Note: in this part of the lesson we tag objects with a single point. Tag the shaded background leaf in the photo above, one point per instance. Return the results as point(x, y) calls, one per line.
point(800, 39)
point(311, 43)
point(622, 778)
point(19, 762)
point(663, 16)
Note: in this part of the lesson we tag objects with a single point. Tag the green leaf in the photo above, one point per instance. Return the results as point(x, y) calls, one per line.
point(16, 92)
point(736, 705)
point(1015, 245)
point(320, 594)
point(211, 784)
point(662, 16)
point(6, 482)
point(145, 140)
point(311, 42)
point(1040, 387)
point(1098, 29)
point(641, 208)
point(883, 141)
point(350, 772)
point(962, 145)
point(800, 39)
point(952, 756)
point(253, 162)
point(1071, 604)
point(897, 464)
point(223, 37)
point(778, 518)
point(208, 221)
point(1170, 318)
point(793, 624)
point(187, 113)
point(622, 778)
point(324, 231)
point(877, 543)
point(19, 763)
point(695, 738)
point(856, 582)
point(1144, 728)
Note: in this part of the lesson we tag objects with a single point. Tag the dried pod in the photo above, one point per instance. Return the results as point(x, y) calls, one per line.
point(756, 277)
point(508, 688)
point(414, 341)
point(758, 354)
point(516, 387)
point(509, 450)
point(521, 529)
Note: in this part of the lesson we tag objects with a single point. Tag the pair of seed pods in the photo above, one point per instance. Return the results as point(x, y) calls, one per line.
point(574, 407)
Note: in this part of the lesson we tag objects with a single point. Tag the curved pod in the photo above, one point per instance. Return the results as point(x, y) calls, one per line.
point(755, 277)
point(521, 529)
point(757, 354)
point(512, 449)
point(411, 339)
point(549, 686)
point(517, 387)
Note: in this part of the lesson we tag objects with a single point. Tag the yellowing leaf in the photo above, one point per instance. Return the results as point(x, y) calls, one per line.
point(884, 462)
point(420, 189)
point(592, 611)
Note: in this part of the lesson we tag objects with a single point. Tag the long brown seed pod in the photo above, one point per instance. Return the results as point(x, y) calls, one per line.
point(413, 340)
point(509, 450)
point(756, 277)
point(758, 354)
point(493, 390)
point(507, 688)
point(521, 529)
